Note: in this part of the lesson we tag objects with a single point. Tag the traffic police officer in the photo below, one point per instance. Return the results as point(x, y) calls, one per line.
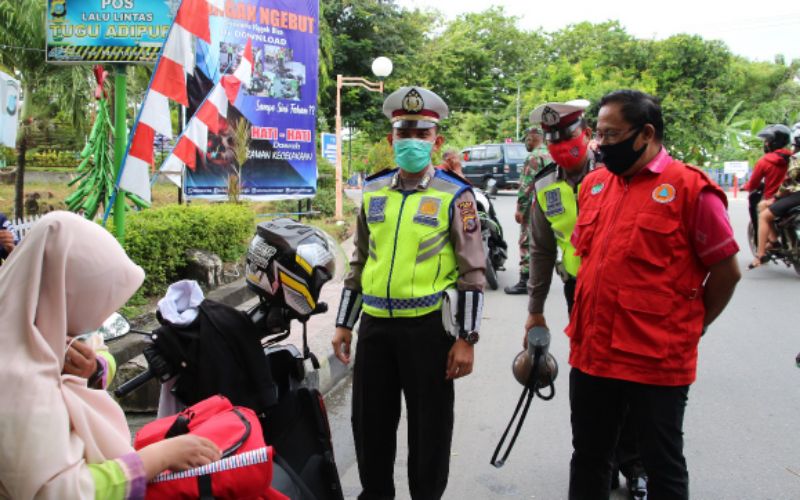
point(417, 236)
point(552, 222)
point(538, 158)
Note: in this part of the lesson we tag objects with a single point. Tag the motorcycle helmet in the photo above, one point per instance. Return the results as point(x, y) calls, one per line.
point(776, 136)
point(796, 135)
point(287, 264)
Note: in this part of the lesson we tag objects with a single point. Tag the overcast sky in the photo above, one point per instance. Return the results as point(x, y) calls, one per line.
point(755, 30)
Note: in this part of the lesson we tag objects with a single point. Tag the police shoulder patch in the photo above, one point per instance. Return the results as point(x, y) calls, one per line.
point(469, 216)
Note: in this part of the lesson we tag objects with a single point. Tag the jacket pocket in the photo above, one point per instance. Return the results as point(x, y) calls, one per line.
point(641, 323)
point(585, 227)
point(654, 239)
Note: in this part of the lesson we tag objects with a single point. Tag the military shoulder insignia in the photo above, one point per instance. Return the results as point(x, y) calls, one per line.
point(469, 217)
point(376, 212)
point(412, 102)
point(597, 188)
point(428, 211)
point(554, 206)
point(664, 193)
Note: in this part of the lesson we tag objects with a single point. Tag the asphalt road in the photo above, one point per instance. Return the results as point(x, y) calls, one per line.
point(742, 424)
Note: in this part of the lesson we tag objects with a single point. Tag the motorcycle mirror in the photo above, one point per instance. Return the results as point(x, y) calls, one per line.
point(114, 327)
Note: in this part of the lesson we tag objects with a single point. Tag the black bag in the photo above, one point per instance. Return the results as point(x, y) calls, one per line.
point(218, 353)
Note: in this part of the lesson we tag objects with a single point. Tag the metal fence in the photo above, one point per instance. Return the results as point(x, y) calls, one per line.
point(22, 226)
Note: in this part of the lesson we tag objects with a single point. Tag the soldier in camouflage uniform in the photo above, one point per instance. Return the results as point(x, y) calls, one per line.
point(538, 157)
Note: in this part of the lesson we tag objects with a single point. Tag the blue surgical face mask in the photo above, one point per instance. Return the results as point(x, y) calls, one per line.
point(412, 155)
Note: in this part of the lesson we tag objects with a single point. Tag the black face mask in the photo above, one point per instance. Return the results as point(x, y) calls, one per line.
point(619, 157)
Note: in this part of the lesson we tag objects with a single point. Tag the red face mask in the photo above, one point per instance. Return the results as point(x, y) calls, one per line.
point(568, 154)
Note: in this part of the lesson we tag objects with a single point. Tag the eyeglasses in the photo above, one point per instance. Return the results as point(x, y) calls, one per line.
point(611, 136)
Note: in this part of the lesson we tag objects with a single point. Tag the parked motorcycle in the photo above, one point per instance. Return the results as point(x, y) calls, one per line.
point(494, 246)
point(287, 264)
point(787, 248)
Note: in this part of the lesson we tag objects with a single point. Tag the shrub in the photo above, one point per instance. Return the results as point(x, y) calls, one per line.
point(53, 159)
point(157, 238)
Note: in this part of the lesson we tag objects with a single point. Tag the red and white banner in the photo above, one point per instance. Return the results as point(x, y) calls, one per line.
point(168, 83)
point(208, 118)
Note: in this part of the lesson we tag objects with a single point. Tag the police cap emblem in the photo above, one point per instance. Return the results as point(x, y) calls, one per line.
point(412, 102)
point(550, 116)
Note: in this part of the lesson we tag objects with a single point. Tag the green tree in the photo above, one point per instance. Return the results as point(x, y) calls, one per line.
point(22, 47)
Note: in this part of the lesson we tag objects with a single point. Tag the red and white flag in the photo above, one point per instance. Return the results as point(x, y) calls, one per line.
point(208, 118)
point(168, 83)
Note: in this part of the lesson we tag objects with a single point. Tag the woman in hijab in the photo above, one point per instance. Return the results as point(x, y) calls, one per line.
point(60, 439)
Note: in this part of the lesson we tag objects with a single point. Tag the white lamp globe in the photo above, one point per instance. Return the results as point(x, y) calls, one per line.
point(382, 67)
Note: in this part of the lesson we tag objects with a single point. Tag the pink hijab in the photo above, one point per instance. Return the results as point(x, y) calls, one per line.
point(65, 278)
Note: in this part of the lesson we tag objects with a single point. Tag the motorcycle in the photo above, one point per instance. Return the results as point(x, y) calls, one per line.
point(494, 246)
point(787, 248)
point(294, 418)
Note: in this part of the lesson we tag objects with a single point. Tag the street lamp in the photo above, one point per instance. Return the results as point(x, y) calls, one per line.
point(381, 67)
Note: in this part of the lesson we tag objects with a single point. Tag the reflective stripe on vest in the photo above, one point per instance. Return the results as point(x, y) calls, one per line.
point(411, 259)
point(559, 204)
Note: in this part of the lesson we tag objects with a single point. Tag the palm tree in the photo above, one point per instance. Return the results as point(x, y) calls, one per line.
point(22, 50)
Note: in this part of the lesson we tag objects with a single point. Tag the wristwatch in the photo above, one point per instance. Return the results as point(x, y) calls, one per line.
point(470, 338)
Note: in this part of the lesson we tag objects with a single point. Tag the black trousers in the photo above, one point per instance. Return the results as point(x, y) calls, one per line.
point(408, 356)
point(626, 455)
point(598, 407)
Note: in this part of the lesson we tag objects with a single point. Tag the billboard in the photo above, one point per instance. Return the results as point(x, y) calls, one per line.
point(280, 105)
point(95, 31)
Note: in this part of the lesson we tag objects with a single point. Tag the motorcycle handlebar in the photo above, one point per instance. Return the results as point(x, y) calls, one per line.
point(134, 383)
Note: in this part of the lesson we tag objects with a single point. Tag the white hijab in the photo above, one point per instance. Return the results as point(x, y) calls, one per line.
point(65, 278)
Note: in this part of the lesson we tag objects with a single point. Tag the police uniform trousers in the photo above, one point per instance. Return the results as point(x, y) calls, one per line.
point(598, 406)
point(626, 453)
point(405, 356)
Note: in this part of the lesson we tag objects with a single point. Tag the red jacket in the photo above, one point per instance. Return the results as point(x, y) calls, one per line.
point(772, 169)
point(638, 310)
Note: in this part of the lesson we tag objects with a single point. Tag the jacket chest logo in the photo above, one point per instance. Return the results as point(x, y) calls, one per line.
point(428, 211)
point(596, 189)
point(554, 204)
point(376, 212)
point(664, 193)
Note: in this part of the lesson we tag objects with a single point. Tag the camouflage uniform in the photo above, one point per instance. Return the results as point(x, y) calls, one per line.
point(536, 161)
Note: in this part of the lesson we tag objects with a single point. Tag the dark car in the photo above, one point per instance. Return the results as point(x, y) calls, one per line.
point(501, 162)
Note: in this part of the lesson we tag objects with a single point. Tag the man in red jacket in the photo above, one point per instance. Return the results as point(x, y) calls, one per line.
point(658, 265)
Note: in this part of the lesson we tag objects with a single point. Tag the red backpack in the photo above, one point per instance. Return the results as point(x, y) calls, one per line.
point(245, 471)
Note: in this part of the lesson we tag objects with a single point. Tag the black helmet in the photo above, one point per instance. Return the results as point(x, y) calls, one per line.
point(287, 264)
point(776, 136)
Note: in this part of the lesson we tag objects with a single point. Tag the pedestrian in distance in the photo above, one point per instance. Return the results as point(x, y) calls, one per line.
point(417, 239)
point(452, 163)
point(658, 265)
point(537, 158)
point(554, 213)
